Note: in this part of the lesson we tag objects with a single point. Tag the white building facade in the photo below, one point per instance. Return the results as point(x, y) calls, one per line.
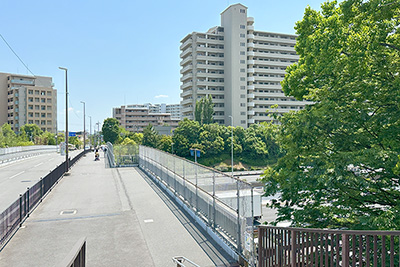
point(241, 69)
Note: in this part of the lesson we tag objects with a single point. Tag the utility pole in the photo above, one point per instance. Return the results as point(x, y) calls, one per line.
point(90, 131)
point(84, 126)
point(66, 118)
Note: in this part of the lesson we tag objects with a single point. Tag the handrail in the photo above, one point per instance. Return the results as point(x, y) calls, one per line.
point(179, 260)
point(77, 256)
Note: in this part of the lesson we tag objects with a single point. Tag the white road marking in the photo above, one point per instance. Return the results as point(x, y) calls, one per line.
point(15, 175)
point(37, 165)
point(148, 221)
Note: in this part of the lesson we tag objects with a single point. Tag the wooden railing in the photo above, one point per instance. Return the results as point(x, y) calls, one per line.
point(281, 246)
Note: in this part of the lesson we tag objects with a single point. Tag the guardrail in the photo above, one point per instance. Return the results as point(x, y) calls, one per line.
point(285, 246)
point(13, 217)
point(77, 255)
point(16, 149)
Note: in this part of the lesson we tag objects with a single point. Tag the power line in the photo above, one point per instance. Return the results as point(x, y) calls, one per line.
point(9, 46)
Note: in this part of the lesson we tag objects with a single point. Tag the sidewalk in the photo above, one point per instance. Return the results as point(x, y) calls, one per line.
point(126, 219)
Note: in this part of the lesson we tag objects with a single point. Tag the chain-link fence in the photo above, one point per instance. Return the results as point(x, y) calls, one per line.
point(121, 155)
point(223, 202)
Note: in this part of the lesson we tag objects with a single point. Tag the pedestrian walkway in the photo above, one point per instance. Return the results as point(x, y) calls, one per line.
point(126, 219)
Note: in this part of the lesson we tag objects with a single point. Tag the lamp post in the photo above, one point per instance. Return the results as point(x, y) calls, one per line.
point(66, 118)
point(84, 126)
point(231, 145)
point(90, 131)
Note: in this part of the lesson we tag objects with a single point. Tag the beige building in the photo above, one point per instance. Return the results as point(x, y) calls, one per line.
point(240, 67)
point(135, 119)
point(28, 99)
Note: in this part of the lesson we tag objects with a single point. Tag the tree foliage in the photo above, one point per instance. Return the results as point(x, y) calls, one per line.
point(150, 137)
point(204, 110)
point(110, 130)
point(339, 170)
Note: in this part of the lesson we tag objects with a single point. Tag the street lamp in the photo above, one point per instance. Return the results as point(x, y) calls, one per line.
point(231, 145)
point(66, 117)
point(84, 126)
point(90, 131)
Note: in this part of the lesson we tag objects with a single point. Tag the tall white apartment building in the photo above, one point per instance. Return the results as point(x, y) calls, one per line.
point(241, 69)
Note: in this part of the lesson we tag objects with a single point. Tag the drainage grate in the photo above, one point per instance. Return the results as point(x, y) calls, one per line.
point(68, 212)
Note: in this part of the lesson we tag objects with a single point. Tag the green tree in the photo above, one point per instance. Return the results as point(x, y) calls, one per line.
point(31, 131)
point(339, 169)
point(185, 136)
point(165, 143)
point(9, 136)
point(111, 130)
point(150, 136)
point(204, 110)
point(211, 140)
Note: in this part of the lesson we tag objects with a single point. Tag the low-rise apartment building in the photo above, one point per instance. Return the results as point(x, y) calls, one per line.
point(26, 99)
point(135, 119)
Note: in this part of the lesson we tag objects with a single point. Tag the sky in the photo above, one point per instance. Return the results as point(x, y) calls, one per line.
point(118, 52)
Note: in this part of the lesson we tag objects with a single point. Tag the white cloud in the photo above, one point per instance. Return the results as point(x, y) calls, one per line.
point(161, 96)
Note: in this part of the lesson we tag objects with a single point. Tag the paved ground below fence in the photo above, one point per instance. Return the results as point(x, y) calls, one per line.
point(126, 219)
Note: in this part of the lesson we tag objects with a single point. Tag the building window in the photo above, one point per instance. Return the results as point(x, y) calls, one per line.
point(242, 70)
point(242, 53)
point(242, 11)
point(242, 104)
point(242, 113)
point(242, 96)
point(30, 92)
point(242, 61)
point(243, 122)
point(243, 87)
point(242, 35)
point(242, 26)
point(242, 44)
point(242, 79)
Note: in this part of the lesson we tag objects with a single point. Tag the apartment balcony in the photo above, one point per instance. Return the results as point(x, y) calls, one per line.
point(250, 70)
point(186, 77)
point(250, 96)
point(250, 120)
point(251, 104)
point(23, 82)
point(187, 110)
point(250, 87)
point(187, 85)
point(187, 101)
point(251, 79)
point(250, 20)
point(186, 43)
point(250, 27)
point(185, 69)
point(250, 62)
point(250, 53)
point(250, 45)
point(251, 112)
point(186, 52)
point(186, 60)
point(250, 36)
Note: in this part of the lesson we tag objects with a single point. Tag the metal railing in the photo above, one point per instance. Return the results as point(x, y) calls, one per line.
point(16, 153)
point(202, 190)
point(284, 246)
point(16, 149)
point(122, 155)
point(13, 217)
point(77, 255)
point(180, 260)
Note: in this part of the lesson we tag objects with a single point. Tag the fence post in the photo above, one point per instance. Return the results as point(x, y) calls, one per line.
point(214, 200)
point(20, 210)
point(238, 218)
point(293, 248)
point(27, 200)
point(345, 250)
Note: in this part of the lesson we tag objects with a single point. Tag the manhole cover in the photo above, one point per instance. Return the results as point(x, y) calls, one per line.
point(68, 212)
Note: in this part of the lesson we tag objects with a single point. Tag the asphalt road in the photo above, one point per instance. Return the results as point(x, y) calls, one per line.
point(16, 176)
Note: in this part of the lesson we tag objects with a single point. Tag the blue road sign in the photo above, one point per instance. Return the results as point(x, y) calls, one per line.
point(71, 133)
